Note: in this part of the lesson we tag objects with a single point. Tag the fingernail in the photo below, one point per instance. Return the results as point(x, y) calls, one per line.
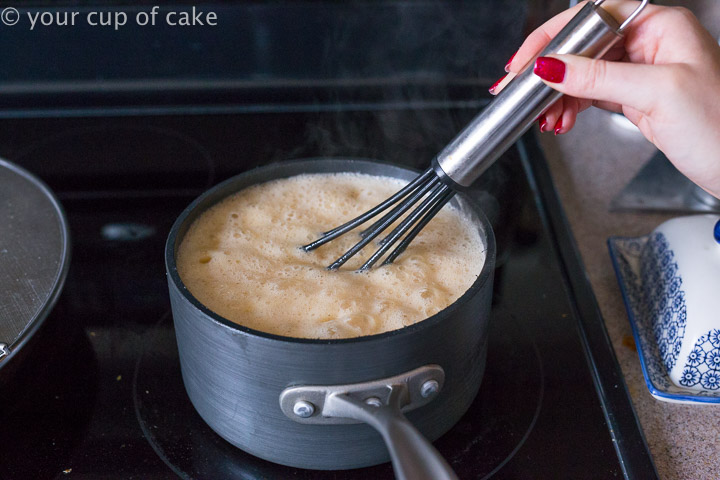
point(507, 65)
point(542, 121)
point(492, 89)
point(550, 69)
point(558, 126)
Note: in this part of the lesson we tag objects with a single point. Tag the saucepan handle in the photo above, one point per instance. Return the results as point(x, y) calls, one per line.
point(413, 456)
point(380, 404)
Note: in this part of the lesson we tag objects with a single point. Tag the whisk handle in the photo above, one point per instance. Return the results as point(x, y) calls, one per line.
point(590, 33)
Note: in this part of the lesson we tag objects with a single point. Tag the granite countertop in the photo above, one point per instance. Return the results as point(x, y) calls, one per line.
point(590, 166)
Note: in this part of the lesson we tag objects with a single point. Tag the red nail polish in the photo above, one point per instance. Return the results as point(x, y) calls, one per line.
point(550, 69)
point(507, 65)
point(558, 126)
point(542, 121)
point(492, 89)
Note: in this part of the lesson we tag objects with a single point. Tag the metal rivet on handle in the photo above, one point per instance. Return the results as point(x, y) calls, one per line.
point(374, 402)
point(303, 409)
point(429, 388)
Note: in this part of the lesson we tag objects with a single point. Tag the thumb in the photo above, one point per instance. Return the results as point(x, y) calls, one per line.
point(629, 84)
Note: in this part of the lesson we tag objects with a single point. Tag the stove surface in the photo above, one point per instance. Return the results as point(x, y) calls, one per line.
point(97, 392)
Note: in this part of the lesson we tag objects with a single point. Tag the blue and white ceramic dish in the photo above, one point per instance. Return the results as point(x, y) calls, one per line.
point(670, 282)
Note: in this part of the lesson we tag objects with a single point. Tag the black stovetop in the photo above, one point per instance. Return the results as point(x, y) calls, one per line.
point(97, 392)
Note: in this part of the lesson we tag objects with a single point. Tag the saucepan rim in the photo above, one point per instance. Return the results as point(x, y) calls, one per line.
point(172, 242)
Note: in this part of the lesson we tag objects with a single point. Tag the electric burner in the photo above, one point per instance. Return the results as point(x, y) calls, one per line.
point(486, 438)
point(99, 392)
point(48, 394)
point(114, 157)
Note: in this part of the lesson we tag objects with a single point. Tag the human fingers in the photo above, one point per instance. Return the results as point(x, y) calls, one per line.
point(566, 122)
point(616, 53)
point(549, 119)
point(501, 83)
point(560, 116)
point(634, 85)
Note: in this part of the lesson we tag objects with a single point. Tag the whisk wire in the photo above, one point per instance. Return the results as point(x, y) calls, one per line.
point(426, 206)
point(447, 195)
point(392, 212)
point(386, 221)
point(427, 189)
point(411, 187)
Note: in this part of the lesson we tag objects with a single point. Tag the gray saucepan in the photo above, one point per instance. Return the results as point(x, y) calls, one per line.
point(333, 404)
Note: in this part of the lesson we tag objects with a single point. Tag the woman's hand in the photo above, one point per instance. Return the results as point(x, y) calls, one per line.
point(664, 76)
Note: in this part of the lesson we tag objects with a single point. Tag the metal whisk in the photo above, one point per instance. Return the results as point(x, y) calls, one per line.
point(590, 33)
point(427, 185)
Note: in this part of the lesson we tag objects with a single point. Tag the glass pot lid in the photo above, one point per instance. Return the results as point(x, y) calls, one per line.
point(34, 256)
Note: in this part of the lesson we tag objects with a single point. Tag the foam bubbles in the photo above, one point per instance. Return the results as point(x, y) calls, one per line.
point(241, 259)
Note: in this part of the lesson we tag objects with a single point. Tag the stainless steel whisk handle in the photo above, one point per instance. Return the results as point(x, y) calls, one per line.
point(590, 33)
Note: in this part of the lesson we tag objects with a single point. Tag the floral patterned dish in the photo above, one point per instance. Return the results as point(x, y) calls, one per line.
point(659, 347)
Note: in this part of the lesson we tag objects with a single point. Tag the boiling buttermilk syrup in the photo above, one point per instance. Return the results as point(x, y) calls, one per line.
point(241, 259)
